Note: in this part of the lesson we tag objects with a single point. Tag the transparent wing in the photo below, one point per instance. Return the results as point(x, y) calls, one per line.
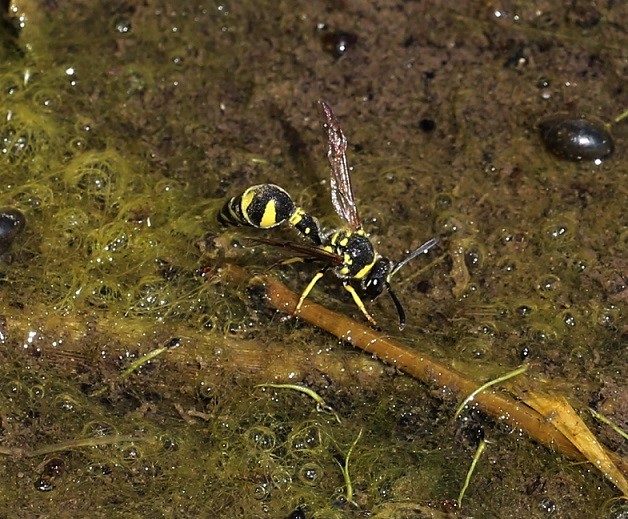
point(301, 250)
point(341, 191)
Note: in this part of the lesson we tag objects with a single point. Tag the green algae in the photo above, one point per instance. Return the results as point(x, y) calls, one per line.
point(120, 144)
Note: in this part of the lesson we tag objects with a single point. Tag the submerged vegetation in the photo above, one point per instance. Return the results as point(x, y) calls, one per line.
point(123, 130)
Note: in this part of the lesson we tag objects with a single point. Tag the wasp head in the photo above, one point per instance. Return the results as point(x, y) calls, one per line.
point(377, 278)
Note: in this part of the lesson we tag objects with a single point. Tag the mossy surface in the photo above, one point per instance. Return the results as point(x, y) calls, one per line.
point(124, 127)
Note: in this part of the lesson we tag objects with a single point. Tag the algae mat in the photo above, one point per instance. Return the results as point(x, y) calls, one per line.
point(126, 125)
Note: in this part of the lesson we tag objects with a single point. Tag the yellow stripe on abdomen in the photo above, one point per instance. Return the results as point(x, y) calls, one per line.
point(269, 218)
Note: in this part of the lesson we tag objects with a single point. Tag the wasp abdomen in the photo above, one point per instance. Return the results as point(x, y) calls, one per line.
point(265, 206)
point(262, 206)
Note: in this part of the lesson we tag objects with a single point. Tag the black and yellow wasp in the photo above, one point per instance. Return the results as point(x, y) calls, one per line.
point(349, 252)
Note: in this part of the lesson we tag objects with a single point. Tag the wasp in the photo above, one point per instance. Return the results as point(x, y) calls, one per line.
point(349, 252)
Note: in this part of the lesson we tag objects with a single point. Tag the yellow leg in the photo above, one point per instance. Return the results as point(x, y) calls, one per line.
point(358, 302)
point(307, 290)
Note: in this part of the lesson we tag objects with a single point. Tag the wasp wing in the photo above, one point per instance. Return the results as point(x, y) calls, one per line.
point(302, 250)
point(341, 192)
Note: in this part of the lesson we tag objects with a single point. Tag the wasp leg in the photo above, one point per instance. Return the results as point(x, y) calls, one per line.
point(308, 289)
point(358, 302)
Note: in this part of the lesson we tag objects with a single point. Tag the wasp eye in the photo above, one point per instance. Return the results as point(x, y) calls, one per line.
point(373, 287)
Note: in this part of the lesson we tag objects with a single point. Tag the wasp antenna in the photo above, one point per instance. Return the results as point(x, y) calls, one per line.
point(400, 310)
point(423, 248)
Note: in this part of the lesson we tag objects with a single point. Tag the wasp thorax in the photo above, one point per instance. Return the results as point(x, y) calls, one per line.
point(356, 251)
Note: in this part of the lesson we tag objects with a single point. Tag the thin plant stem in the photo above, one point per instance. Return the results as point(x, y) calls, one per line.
point(467, 480)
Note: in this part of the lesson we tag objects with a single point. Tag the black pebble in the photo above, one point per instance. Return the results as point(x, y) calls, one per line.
point(12, 222)
point(297, 514)
point(576, 137)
